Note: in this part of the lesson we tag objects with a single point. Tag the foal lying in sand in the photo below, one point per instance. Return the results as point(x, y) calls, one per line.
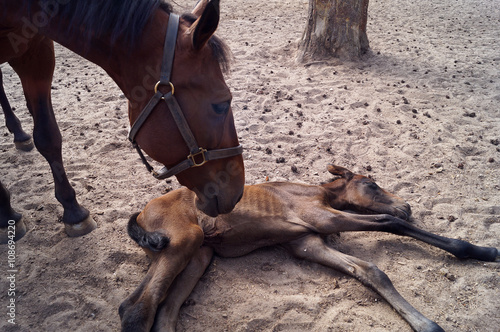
point(181, 241)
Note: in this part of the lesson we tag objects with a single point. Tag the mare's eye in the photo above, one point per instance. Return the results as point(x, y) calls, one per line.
point(222, 108)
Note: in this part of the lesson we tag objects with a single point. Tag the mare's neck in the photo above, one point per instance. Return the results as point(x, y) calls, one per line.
point(134, 69)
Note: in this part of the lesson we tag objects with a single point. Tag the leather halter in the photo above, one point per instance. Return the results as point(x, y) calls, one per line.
point(197, 155)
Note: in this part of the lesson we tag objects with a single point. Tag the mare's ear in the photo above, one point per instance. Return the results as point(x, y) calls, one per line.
point(340, 171)
point(205, 26)
point(200, 7)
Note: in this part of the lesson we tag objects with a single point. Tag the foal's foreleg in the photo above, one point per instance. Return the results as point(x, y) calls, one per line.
point(313, 248)
point(337, 221)
point(22, 140)
point(459, 248)
point(168, 311)
point(35, 69)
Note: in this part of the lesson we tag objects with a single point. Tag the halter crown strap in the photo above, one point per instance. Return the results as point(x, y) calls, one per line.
point(169, 48)
point(198, 156)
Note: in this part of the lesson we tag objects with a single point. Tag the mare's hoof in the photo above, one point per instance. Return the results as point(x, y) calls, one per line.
point(26, 145)
point(82, 228)
point(7, 233)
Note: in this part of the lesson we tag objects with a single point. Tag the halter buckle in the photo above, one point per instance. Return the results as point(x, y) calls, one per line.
point(192, 157)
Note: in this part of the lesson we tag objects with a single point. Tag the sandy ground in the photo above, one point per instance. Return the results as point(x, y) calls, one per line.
point(420, 115)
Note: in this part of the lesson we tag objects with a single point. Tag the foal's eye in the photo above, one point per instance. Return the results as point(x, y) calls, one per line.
point(372, 185)
point(222, 108)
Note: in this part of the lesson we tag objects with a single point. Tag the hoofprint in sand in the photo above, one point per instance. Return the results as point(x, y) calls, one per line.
point(419, 115)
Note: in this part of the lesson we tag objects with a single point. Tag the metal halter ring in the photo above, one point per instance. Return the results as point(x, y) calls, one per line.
point(161, 83)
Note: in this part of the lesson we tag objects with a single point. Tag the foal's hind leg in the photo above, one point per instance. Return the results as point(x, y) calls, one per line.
point(22, 140)
point(313, 248)
point(168, 311)
point(12, 226)
point(35, 69)
point(138, 311)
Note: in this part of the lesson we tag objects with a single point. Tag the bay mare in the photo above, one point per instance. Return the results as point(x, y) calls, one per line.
point(126, 38)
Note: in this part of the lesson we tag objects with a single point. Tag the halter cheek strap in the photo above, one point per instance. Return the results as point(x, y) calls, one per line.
point(198, 156)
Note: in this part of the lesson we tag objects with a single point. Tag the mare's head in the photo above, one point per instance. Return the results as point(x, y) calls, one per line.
point(361, 194)
point(205, 101)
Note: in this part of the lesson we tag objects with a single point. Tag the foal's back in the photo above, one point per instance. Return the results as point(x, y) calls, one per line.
point(267, 214)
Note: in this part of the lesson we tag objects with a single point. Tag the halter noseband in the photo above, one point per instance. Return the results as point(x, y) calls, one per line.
point(197, 155)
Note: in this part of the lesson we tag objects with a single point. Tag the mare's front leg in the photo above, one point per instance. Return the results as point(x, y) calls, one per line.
point(12, 226)
point(22, 140)
point(168, 312)
point(35, 69)
point(313, 248)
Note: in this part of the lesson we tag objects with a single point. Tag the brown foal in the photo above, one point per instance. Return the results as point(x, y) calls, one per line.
point(180, 240)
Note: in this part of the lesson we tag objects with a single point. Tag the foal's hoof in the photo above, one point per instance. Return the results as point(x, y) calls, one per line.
point(26, 145)
point(82, 228)
point(12, 233)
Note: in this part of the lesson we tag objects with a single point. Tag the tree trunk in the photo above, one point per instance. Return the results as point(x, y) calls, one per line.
point(335, 28)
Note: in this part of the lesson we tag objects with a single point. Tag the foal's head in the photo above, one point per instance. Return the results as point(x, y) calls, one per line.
point(361, 194)
point(205, 100)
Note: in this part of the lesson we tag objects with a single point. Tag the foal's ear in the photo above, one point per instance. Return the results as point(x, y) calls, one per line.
point(340, 171)
point(206, 24)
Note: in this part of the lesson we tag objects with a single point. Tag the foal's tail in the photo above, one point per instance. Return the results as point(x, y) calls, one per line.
point(154, 241)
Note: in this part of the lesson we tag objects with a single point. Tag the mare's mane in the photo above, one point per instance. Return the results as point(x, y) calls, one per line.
point(116, 18)
point(124, 19)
